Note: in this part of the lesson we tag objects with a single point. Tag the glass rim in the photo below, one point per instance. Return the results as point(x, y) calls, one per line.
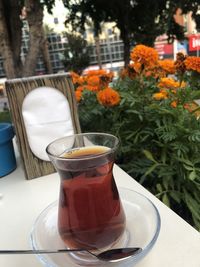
point(111, 150)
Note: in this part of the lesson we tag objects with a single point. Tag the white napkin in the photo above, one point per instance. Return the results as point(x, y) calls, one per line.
point(47, 117)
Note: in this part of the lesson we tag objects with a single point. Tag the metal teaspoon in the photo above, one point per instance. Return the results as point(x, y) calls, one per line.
point(111, 255)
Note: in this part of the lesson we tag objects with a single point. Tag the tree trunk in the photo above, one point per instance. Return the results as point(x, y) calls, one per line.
point(15, 26)
point(46, 56)
point(36, 34)
point(97, 44)
point(11, 38)
point(127, 47)
point(5, 45)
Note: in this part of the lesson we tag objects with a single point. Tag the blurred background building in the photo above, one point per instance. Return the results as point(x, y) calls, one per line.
point(110, 44)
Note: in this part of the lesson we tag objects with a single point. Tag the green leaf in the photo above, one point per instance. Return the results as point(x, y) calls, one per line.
point(189, 168)
point(175, 196)
point(159, 188)
point(192, 175)
point(151, 169)
point(149, 156)
point(186, 161)
point(192, 205)
point(165, 183)
point(165, 200)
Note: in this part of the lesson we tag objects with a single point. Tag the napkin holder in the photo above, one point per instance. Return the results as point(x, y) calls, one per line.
point(43, 108)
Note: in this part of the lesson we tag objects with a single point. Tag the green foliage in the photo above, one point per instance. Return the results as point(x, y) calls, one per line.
point(160, 145)
point(5, 116)
point(144, 20)
point(48, 3)
point(95, 116)
point(76, 54)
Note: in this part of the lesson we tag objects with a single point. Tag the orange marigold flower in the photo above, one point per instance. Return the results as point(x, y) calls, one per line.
point(160, 95)
point(174, 104)
point(167, 65)
point(180, 63)
point(91, 88)
point(104, 81)
point(136, 66)
point(108, 97)
point(155, 72)
point(149, 73)
point(81, 80)
point(170, 83)
point(78, 95)
point(129, 71)
point(80, 88)
point(93, 80)
point(109, 74)
point(192, 63)
point(75, 77)
point(103, 72)
point(123, 73)
point(100, 78)
point(95, 72)
point(144, 55)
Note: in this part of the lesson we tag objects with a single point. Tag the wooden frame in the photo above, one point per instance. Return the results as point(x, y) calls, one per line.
point(16, 90)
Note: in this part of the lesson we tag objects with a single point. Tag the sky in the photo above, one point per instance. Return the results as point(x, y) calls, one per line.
point(56, 20)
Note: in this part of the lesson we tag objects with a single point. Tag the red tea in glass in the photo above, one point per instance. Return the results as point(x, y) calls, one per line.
point(90, 213)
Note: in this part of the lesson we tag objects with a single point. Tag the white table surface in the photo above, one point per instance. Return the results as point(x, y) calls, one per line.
point(21, 201)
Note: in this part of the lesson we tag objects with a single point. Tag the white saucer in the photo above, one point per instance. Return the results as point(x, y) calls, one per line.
point(142, 230)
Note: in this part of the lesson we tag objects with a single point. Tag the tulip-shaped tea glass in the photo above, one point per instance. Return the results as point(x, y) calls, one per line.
point(90, 213)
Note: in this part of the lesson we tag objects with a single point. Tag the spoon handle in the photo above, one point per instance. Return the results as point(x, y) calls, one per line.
point(112, 255)
point(36, 251)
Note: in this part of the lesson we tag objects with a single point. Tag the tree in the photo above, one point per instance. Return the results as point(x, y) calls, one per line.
point(76, 54)
point(139, 20)
point(11, 35)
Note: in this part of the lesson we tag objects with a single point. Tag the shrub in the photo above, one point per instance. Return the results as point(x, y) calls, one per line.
point(152, 110)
